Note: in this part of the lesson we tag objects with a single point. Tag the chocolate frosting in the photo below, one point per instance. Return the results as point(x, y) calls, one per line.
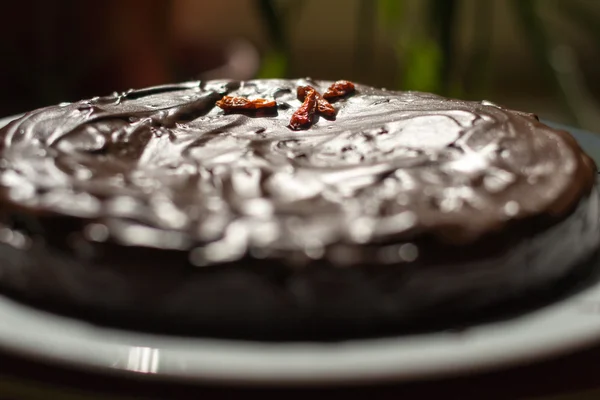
point(430, 200)
point(163, 167)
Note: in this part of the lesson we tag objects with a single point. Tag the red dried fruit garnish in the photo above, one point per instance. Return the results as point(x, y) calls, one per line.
point(323, 106)
point(230, 103)
point(339, 89)
point(303, 116)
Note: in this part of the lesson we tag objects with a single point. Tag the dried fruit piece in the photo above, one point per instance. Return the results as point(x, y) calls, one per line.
point(339, 89)
point(323, 106)
point(230, 103)
point(303, 116)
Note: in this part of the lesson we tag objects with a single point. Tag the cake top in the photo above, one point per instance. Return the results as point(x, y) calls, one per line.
point(166, 167)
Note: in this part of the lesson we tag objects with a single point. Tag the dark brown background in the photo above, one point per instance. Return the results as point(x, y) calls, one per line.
point(64, 50)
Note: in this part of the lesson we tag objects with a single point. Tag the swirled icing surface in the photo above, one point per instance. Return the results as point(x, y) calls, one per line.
point(164, 168)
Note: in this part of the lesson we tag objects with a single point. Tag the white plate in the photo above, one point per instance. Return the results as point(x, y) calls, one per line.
point(564, 326)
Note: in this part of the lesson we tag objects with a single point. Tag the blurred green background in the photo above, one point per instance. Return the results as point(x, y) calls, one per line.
point(534, 55)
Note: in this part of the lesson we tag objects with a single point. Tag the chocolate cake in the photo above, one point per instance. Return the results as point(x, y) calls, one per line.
point(156, 208)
